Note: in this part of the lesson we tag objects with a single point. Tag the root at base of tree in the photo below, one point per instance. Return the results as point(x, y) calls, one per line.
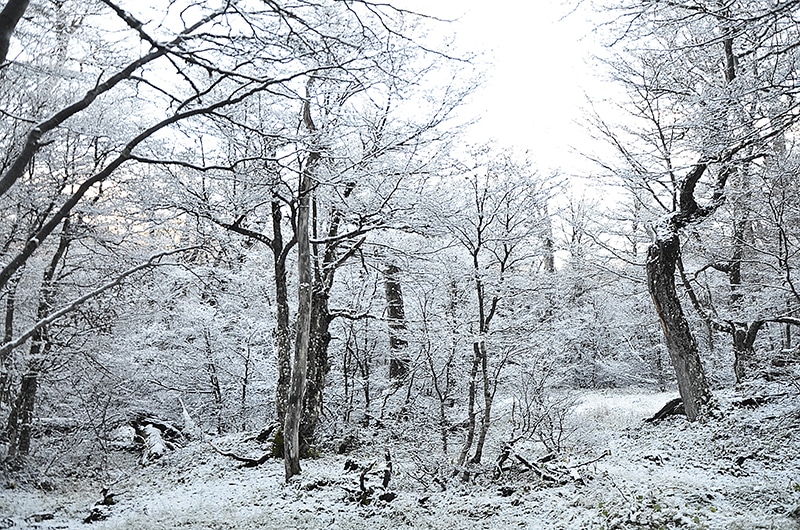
point(246, 462)
point(672, 408)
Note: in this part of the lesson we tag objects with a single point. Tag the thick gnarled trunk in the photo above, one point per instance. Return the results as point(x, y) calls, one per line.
point(662, 256)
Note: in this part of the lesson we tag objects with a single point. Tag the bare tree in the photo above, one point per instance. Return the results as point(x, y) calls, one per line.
point(684, 161)
point(499, 228)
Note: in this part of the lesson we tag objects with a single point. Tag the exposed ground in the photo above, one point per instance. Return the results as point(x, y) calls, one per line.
point(740, 470)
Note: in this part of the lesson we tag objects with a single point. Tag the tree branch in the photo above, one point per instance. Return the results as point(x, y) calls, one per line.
point(9, 18)
point(55, 315)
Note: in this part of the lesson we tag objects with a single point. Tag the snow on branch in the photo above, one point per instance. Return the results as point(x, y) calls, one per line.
point(55, 315)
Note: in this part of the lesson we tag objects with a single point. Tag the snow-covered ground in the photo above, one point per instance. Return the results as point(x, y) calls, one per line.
point(740, 470)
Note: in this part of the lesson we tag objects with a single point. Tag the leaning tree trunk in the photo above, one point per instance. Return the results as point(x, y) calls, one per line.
point(9, 18)
point(662, 257)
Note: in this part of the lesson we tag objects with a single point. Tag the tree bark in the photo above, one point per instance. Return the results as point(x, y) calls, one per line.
point(20, 420)
point(283, 345)
point(395, 313)
point(9, 18)
point(317, 363)
point(488, 398)
point(662, 256)
point(6, 382)
point(471, 396)
point(294, 408)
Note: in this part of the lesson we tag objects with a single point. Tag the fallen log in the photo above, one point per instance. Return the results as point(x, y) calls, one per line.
point(157, 436)
point(757, 401)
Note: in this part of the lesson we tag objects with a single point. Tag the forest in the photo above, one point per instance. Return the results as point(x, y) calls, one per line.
point(259, 268)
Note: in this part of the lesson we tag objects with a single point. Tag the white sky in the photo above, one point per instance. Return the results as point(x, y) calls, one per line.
point(535, 91)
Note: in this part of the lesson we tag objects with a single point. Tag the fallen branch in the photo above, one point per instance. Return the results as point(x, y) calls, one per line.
point(544, 475)
point(582, 464)
point(757, 401)
point(247, 462)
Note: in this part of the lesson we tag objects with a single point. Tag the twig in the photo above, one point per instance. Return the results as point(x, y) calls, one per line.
point(605, 454)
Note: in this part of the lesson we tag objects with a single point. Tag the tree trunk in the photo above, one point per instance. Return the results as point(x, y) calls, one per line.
point(213, 379)
point(6, 382)
point(283, 345)
point(317, 364)
point(549, 261)
point(294, 408)
point(662, 256)
point(471, 396)
point(488, 398)
point(294, 405)
point(20, 420)
point(9, 18)
point(395, 312)
point(744, 337)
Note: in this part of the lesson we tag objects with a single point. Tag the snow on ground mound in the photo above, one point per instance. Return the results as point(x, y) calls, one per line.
point(739, 470)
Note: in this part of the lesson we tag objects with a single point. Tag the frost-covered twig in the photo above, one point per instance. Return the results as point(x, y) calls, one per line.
point(55, 315)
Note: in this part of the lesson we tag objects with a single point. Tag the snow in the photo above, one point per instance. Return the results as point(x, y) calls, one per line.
point(739, 470)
